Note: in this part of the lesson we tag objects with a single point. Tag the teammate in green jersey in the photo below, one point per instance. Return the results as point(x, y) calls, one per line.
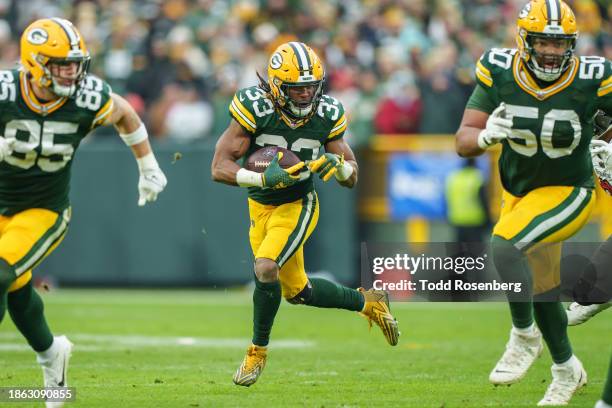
point(46, 108)
point(289, 110)
point(538, 102)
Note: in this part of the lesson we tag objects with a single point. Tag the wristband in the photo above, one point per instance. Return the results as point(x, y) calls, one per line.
point(483, 142)
point(147, 162)
point(248, 178)
point(344, 172)
point(137, 136)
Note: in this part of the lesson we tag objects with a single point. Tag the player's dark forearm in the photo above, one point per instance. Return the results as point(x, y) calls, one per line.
point(225, 172)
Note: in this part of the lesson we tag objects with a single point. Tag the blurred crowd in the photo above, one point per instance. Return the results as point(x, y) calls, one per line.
point(399, 66)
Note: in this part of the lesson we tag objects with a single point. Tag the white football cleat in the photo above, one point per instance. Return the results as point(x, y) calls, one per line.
point(602, 404)
point(521, 351)
point(55, 367)
point(578, 314)
point(567, 379)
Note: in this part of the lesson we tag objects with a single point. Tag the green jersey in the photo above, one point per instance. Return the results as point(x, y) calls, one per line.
point(551, 127)
point(45, 136)
point(252, 109)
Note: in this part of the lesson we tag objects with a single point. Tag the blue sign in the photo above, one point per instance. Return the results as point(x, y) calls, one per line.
point(416, 183)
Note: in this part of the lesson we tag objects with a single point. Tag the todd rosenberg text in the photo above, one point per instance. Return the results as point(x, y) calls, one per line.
point(445, 285)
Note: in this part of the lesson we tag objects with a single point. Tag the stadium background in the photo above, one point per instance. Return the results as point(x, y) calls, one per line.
point(403, 69)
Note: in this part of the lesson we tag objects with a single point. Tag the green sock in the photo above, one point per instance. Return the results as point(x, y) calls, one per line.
point(552, 321)
point(2, 306)
point(26, 309)
point(266, 300)
point(331, 295)
point(512, 267)
point(607, 391)
point(7, 277)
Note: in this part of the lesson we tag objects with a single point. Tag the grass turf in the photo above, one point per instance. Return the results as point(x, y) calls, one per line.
point(180, 349)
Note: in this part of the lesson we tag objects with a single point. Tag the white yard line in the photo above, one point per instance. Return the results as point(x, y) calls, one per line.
point(104, 342)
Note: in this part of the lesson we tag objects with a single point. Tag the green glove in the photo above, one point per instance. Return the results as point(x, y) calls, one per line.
point(276, 177)
point(326, 165)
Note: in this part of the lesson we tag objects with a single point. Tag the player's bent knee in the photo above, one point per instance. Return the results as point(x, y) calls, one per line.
point(266, 270)
point(504, 250)
point(302, 298)
point(7, 276)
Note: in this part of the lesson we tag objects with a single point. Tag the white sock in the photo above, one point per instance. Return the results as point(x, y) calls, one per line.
point(572, 362)
point(49, 353)
point(526, 330)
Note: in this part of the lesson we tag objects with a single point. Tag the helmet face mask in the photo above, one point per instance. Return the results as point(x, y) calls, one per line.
point(545, 64)
point(54, 56)
point(546, 38)
point(295, 81)
point(301, 99)
point(66, 75)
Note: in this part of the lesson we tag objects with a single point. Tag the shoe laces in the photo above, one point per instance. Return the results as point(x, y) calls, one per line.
point(563, 380)
point(556, 389)
point(254, 358)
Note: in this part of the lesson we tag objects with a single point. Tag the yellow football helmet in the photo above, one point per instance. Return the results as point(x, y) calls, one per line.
point(551, 20)
point(53, 40)
point(294, 64)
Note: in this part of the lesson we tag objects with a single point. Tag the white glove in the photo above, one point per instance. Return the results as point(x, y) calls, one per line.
point(152, 180)
point(497, 129)
point(6, 147)
point(601, 154)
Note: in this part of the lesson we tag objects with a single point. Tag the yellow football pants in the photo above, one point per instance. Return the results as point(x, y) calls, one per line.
point(278, 232)
point(27, 237)
point(539, 222)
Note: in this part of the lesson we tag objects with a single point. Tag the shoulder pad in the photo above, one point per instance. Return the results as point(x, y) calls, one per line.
point(95, 83)
point(332, 112)
point(95, 95)
point(599, 71)
point(493, 62)
point(249, 107)
point(9, 85)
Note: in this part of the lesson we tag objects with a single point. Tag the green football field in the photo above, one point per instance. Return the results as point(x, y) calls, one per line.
point(180, 349)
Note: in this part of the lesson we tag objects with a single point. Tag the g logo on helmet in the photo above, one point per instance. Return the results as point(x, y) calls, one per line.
point(525, 10)
point(37, 36)
point(276, 60)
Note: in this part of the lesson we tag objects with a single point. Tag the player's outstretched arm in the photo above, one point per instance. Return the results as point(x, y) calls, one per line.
point(339, 161)
point(231, 146)
point(152, 180)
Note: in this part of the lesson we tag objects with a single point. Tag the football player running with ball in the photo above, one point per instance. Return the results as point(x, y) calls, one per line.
point(538, 102)
point(290, 111)
point(48, 106)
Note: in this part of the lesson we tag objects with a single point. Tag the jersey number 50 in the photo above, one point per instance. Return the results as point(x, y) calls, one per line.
point(529, 145)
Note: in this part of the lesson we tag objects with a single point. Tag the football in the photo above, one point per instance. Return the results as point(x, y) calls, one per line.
point(261, 158)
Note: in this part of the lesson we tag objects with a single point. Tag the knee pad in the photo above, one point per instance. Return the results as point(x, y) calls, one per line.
point(304, 297)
